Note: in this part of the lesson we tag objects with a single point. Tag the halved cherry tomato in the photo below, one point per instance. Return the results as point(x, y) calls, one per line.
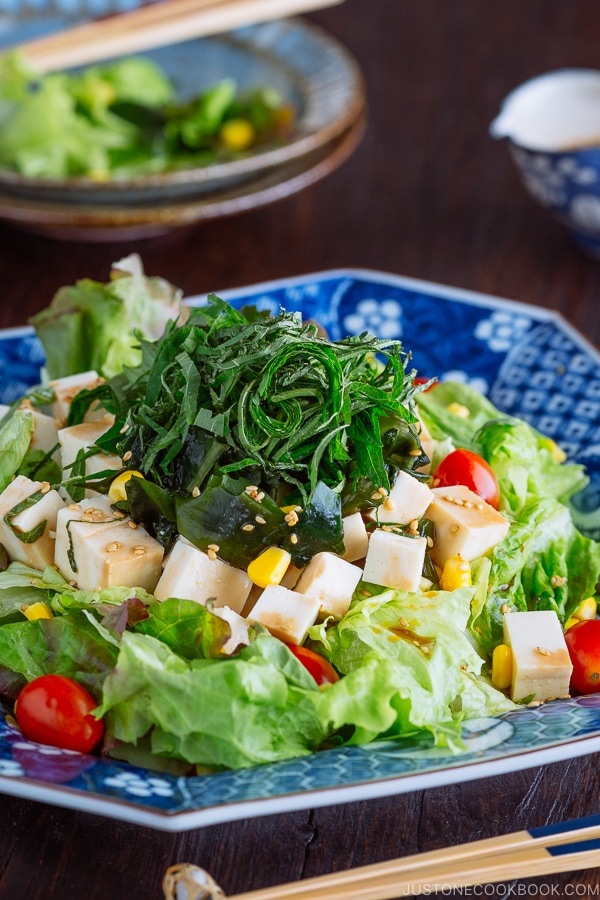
point(583, 641)
point(320, 669)
point(56, 710)
point(468, 468)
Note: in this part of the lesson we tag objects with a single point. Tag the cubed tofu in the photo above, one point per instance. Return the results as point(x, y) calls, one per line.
point(118, 556)
point(45, 435)
point(464, 524)
point(190, 574)
point(39, 553)
point(330, 580)
point(356, 538)
point(81, 437)
point(95, 551)
point(407, 500)
point(286, 614)
point(75, 524)
point(541, 665)
point(65, 389)
point(395, 561)
point(239, 629)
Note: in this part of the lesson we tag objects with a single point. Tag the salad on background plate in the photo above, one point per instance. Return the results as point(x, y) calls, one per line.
point(249, 542)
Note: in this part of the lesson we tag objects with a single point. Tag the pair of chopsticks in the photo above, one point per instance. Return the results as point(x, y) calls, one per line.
point(154, 25)
point(569, 846)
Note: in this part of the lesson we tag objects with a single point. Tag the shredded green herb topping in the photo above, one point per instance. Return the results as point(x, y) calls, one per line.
point(264, 401)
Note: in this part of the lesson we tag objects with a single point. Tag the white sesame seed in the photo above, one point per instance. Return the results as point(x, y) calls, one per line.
point(127, 456)
point(248, 527)
point(293, 538)
point(112, 548)
point(260, 520)
point(195, 491)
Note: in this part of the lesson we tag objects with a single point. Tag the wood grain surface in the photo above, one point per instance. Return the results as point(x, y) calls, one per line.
point(427, 194)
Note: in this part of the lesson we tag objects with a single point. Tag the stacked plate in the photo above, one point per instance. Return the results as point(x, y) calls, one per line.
point(309, 70)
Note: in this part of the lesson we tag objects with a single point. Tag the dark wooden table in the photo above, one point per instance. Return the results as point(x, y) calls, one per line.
point(427, 194)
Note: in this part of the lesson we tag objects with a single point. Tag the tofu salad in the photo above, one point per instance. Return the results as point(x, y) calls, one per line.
point(235, 541)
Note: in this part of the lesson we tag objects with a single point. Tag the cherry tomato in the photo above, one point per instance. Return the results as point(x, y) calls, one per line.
point(320, 669)
point(56, 710)
point(468, 468)
point(583, 641)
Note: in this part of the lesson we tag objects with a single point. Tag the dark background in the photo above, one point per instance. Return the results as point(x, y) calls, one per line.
point(427, 194)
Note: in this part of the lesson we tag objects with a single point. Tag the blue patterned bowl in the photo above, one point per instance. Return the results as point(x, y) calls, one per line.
point(552, 124)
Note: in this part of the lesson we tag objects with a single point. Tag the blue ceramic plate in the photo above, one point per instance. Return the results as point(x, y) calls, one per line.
point(530, 363)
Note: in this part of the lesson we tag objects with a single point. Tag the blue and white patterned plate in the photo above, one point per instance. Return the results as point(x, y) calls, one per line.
point(530, 363)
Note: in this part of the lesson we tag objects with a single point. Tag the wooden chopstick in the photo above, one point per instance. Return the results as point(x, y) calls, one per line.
point(532, 863)
point(569, 846)
point(158, 24)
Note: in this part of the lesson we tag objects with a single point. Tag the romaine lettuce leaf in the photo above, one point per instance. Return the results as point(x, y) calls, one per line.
point(408, 662)
point(526, 463)
point(543, 563)
point(15, 437)
point(229, 713)
point(76, 646)
point(91, 325)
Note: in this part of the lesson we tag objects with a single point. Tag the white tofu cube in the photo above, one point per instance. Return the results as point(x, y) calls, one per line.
point(356, 538)
point(81, 437)
point(407, 500)
point(67, 388)
point(395, 561)
point(286, 614)
point(239, 629)
point(541, 665)
point(75, 524)
point(39, 553)
point(45, 435)
point(118, 556)
point(464, 524)
point(330, 580)
point(191, 575)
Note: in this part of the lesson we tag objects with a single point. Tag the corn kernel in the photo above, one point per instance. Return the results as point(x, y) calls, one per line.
point(38, 610)
point(456, 573)
point(117, 490)
point(269, 567)
point(558, 454)
point(586, 610)
point(502, 667)
point(458, 409)
point(237, 134)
